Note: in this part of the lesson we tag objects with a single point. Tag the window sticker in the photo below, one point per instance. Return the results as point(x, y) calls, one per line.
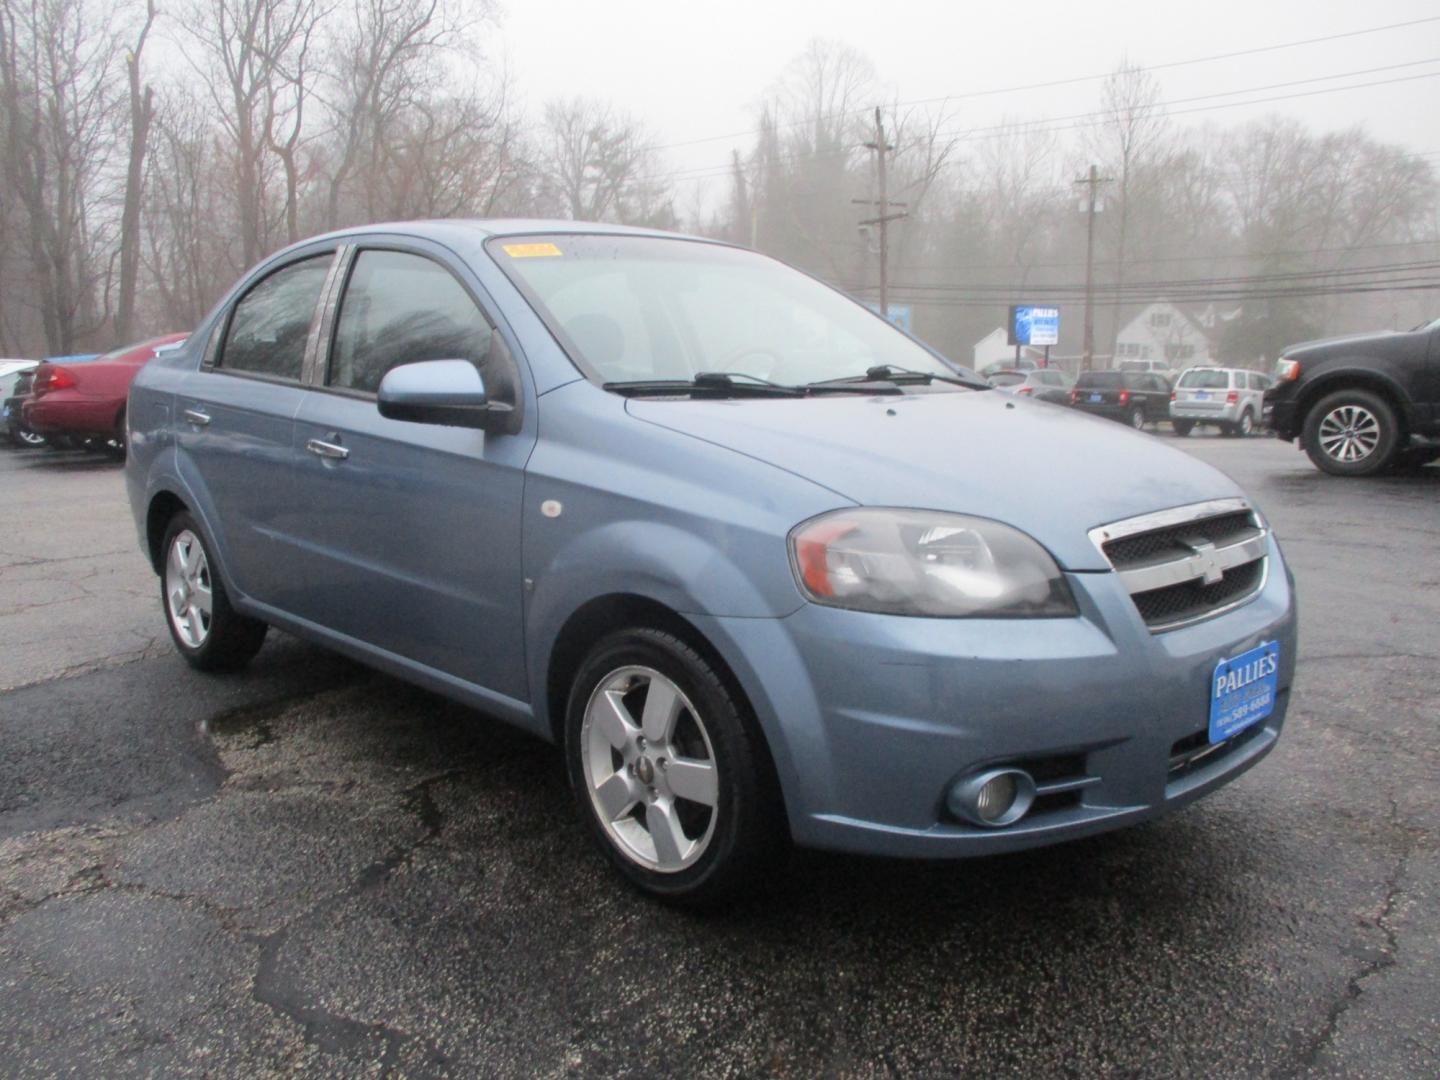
point(530, 251)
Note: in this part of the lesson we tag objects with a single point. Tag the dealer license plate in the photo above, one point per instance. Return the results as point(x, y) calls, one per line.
point(1097, 397)
point(1243, 689)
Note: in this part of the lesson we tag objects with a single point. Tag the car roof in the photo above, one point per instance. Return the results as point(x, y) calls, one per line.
point(450, 229)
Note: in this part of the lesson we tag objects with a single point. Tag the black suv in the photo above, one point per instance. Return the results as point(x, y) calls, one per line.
point(1361, 404)
point(1136, 398)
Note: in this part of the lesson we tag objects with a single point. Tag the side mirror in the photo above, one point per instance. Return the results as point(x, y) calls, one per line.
point(448, 392)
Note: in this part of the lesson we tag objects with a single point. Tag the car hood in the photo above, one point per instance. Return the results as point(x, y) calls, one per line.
point(1047, 470)
point(1376, 342)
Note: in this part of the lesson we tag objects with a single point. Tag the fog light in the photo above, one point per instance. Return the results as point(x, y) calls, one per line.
point(997, 795)
point(993, 798)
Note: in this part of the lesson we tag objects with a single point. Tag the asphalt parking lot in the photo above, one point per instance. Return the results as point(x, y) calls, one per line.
point(313, 868)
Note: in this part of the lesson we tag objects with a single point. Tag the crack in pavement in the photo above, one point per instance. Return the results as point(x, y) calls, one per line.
point(329, 1031)
point(152, 650)
point(1373, 966)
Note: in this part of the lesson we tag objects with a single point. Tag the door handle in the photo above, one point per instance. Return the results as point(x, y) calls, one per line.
point(326, 450)
point(198, 417)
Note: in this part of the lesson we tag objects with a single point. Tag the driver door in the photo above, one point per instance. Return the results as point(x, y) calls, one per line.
point(412, 538)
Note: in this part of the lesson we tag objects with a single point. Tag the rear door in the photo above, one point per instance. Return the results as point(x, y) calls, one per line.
point(234, 421)
point(410, 541)
point(1157, 397)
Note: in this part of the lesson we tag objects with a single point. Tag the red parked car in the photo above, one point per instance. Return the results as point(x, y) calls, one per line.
point(71, 404)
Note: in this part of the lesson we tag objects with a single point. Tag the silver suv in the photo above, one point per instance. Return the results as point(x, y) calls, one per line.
point(1230, 398)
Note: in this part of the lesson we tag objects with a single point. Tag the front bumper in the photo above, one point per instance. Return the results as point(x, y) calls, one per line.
point(1282, 417)
point(873, 717)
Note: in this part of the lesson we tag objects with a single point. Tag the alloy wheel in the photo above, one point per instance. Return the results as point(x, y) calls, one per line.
point(650, 769)
point(188, 591)
point(30, 438)
point(1349, 433)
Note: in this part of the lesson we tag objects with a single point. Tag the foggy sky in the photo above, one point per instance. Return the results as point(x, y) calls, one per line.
point(691, 70)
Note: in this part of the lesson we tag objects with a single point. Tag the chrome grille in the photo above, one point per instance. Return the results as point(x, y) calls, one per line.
point(1190, 563)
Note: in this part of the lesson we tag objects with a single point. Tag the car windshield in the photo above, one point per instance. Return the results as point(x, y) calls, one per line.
point(1205, 380)
point(1101, 379)
point(1007, 378)
point(636, 308)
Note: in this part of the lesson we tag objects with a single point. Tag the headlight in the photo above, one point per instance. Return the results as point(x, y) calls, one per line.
point(921, 562)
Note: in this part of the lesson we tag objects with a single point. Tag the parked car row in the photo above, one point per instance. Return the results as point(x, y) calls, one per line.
point(75, 401)
point(1231, 399)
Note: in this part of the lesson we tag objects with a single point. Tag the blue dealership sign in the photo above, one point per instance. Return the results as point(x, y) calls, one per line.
point(899, 314)
point(1031, 325)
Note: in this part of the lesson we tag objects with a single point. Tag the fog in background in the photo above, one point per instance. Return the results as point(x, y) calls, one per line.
point(1271, 169)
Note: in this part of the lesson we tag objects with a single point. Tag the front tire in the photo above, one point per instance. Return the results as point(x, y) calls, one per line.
point(1351, 433)
point(1246, 426)
point(669, 772)
point(208, 632)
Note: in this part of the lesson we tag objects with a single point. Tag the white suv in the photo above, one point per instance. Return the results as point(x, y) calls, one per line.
point(1233, 399)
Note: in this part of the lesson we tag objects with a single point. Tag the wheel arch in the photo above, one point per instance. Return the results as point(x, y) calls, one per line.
point(1354, 379)
point(601, 615)
point(164, 505)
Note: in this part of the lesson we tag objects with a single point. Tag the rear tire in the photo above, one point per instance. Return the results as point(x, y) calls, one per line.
point(1183, 427)
point(1351, 433)
point(115, 445)
point(696, 845)
point(1137, 419)
point(217, 639)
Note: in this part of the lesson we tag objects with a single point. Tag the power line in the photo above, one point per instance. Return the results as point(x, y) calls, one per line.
point(1428, 285)
point(1073, 80)
point(1097, 117)
point(1176, 284)
point(1141, 261)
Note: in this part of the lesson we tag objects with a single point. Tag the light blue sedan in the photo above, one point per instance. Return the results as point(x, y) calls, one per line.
point(767, 569)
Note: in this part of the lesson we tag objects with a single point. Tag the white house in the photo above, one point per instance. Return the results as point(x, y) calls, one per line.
point(994, 348)
point(1163, 331)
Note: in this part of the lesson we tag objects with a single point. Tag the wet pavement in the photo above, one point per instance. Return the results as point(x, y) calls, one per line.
point(313, 868)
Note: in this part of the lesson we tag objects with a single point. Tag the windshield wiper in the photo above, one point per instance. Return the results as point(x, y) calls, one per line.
point(706, 384)
point(722, 384)
point(900, 376)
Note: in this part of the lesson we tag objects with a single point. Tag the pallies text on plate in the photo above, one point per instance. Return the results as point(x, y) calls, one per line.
point(1231, 681)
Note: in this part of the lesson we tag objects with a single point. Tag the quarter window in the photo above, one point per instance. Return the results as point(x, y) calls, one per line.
point(398, 309)
point(271, 323)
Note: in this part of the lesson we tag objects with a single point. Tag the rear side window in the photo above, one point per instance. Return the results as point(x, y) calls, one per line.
point(1205, 380)
point(268, 330)
point(1007, 378)
point(401, 308)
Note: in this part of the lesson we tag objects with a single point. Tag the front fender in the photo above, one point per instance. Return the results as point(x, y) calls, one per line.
point(681, 571)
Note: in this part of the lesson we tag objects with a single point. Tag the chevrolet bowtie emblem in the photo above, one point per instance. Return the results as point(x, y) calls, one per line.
point(1205, 560)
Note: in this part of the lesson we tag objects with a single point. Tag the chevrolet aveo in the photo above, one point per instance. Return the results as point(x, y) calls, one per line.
point(766, 568)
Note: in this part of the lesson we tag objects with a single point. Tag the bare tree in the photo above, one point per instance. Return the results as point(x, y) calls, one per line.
point(58, 93)
point(142, 113)
point(601, 166)
point(253, 64)
point(1129, 145)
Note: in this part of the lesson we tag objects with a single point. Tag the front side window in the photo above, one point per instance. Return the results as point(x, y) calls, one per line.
point(635, 308)
point(271, 323)
point(401, 308)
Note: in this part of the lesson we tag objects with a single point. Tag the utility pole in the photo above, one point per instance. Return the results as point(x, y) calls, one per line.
point(884, 217)
point(1092, 181)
